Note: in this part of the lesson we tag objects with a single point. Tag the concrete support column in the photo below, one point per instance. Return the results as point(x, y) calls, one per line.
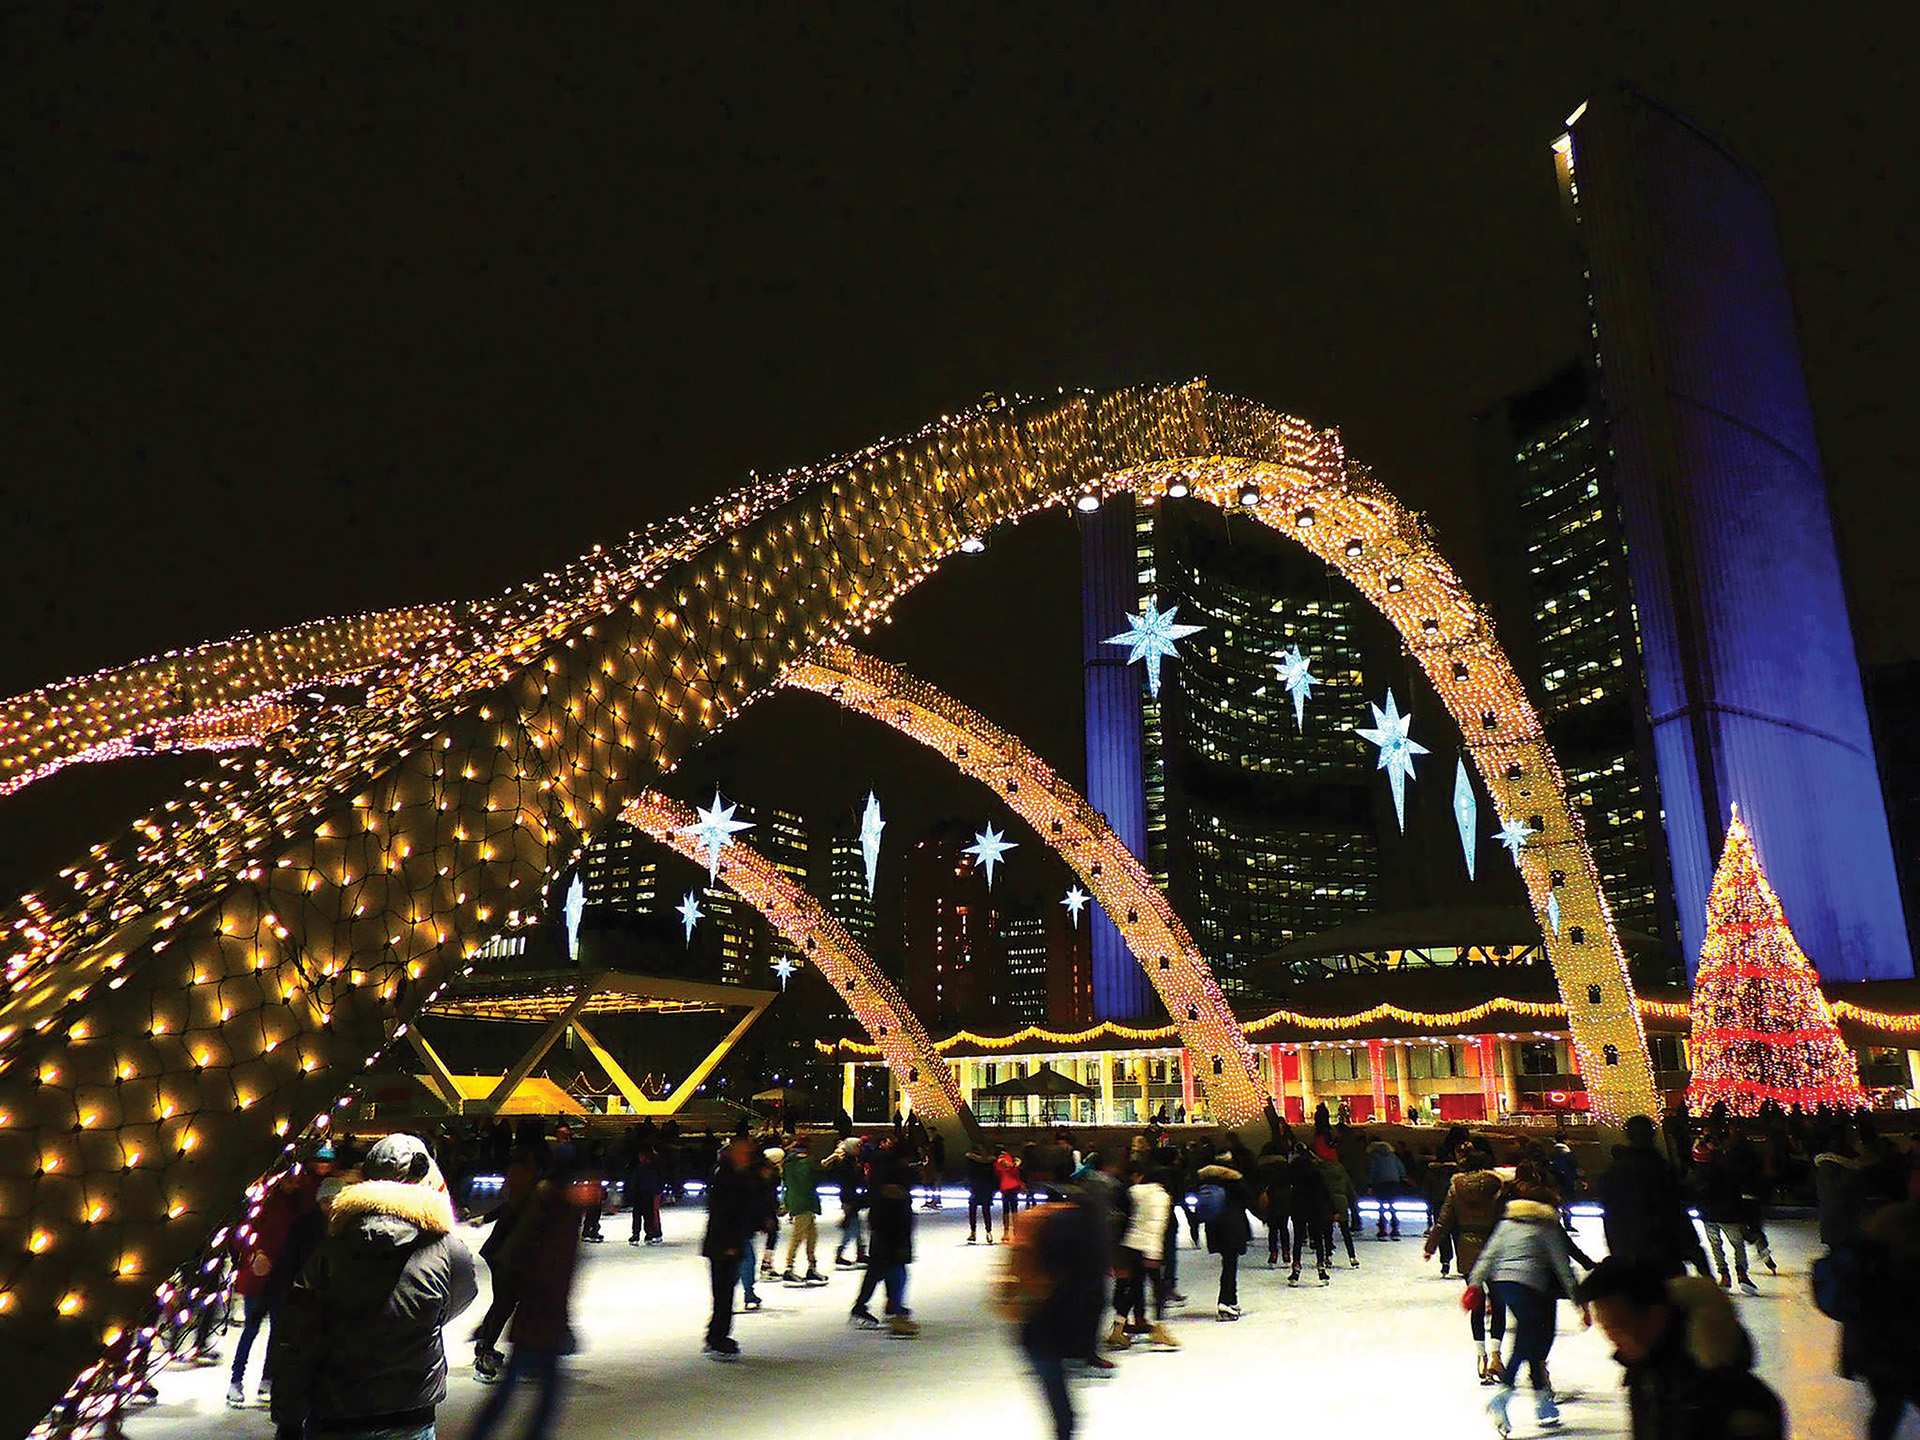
point(1307, 1101)
point(1400, 1053)
point(1186, 1080)
point(1106, 1090)
point(847, 1087)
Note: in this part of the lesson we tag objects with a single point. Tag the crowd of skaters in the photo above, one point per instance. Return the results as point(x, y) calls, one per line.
point(354, 1264)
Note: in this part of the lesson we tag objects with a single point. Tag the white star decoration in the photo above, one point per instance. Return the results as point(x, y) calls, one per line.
point(1397, 750)
point(990, 847)
point(1514, 835)
point(1296, 673)
point(1466, 812)
point(784, 968)
point(1553, 913)
point(1151, 633)
point(1075, 902)
point(689, 909)
point(574, 907)
point(870, 827)
point(715, 831)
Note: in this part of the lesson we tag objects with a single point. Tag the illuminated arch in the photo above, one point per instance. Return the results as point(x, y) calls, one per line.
point(214, 697)
point(1060, 816)
point(198, 990)
point(805, 924)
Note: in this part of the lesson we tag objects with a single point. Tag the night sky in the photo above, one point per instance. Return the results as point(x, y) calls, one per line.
point(322, 316)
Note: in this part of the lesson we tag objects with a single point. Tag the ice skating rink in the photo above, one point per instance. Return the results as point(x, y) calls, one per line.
point(1382, 1351)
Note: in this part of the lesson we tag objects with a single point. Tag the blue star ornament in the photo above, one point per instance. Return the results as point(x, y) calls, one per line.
point(689, 909)
point(1397, 749)
point(784, 968)
point(1466, 812)
point(715, 831)
point(1514, 834)
point(870, 827)
point(1075, 902)
point(990, 847)
point(1296, 673)
point(1151, 634)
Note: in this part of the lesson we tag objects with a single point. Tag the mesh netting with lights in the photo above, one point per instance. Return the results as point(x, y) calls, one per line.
point(191, 1000)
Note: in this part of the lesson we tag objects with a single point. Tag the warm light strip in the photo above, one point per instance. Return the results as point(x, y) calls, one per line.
point(1273, 1020)
point(1080, 835)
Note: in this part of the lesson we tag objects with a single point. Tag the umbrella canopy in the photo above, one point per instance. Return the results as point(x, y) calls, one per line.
point(1046, 1081)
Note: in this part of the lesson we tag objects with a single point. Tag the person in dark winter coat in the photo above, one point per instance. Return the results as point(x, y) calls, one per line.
point(542, 1254)
point(733, 1215)
point(644, 1184)
point(1310, 1213)
point(1880, 1344)
point(262, 1276)
point(982, 1185)
point(1435, 1183)
point(358, 1350)
point(1343, 1207)
point(521, 1175)
point(1840, 1192)
point(1688, 1364)
point(1723, 1208)
point(1229, 1231)
point(1275, 1194)
point(890, 1249)
point(1054, 1287)
point(1386, 1182)
point(1646, 1210)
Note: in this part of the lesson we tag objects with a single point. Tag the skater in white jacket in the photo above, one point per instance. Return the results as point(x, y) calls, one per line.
point(1137, 1263)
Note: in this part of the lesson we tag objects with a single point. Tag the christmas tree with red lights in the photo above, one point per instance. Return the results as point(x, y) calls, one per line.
point(1761, 1028)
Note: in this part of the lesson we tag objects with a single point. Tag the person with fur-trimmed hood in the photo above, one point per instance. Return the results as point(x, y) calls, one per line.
point(1688, 1362)
point(1525, 1264)
point(1228, 1230)
point(1467, 1216)
point(358, 1349)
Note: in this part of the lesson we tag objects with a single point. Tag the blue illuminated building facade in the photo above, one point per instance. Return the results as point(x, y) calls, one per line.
point(1752, 684)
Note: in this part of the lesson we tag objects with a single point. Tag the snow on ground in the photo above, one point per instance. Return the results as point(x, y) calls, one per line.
point(1383, 1351)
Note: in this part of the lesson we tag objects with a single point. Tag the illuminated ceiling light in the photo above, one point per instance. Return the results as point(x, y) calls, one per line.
point(972, 545)
point(1177, 489)
point(1249, 494)
point(1088, 502)
point(1304, 519)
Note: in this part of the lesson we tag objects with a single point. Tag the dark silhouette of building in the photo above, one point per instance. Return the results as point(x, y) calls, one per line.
point(1023, 943)
point(1565, 605)
point(1070, 1002)
point(1753, 686)
point(956, 972)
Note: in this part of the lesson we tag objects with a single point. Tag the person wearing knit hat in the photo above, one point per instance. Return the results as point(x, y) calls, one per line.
point(359, 1350)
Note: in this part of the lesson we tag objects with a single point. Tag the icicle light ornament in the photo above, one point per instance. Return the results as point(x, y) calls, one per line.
point(191, 990)
point(1761, 1028)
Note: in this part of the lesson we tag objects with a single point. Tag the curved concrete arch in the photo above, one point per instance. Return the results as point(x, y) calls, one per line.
point(1060, 816)
point(805, 923)
point(201, 988)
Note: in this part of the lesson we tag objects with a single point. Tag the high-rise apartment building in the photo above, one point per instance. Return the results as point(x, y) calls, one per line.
point(1069, 970)
point(621, 871)
point(1023, 943)
point(1261, 830)
point(1753, 684)
point(845, 888)
point(955, 971)
point(1567, 619)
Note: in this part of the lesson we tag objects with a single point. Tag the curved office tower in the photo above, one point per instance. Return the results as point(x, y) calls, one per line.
point(1753, 686)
